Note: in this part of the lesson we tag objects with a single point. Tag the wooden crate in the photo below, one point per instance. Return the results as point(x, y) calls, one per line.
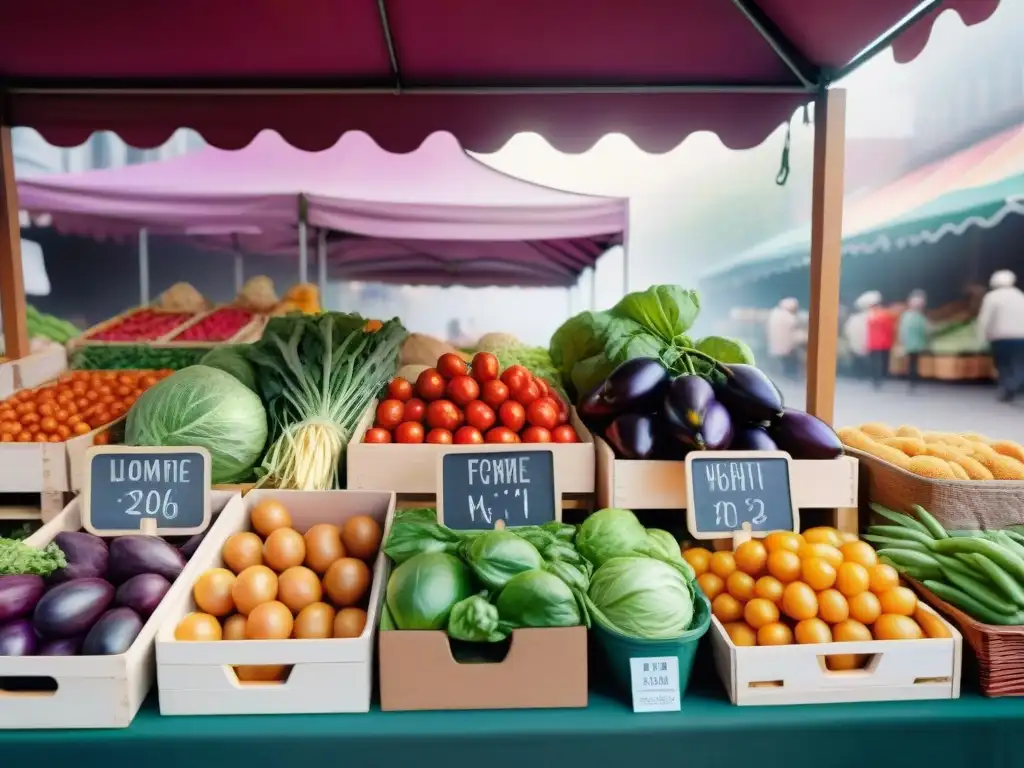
point(827, 485)
point(84, 340)
point(39, 368)
point(89, 691)
point(249, 332)
point(196, 678)
point(411, 470)
point(895, 670)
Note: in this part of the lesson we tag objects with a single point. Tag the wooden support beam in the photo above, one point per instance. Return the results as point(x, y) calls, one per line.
point(12, 283)
point(826, 251)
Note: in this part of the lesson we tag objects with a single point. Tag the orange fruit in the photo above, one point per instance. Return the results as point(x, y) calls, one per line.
point(740, 585)
point(710, 585)
point(751, 557)
point(698, 558)
point(898, 600)
point(865, 607)
point(784, 565)
point(850, 631)
point(799, 601)
point(778, 540)
point(844, 662)
point(882, 578)
point(822, 535)
point(852, 579)
point(759, 612)
point(775, 634)
point(722, 564)
point(891, 626)
point(726, 608)
point(832, 606)
point(825, 551)
point(769, 588)
point(741, 634)
point(859, 552)
point(818, 574)
point(812, 631)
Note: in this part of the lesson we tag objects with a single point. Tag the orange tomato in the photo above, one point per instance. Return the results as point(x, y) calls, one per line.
point(852, 579)
point(769, 588)
point(722, 564)
point(822, 535)
point(817, 573)
point(833, 607)
point(799, 601)
point(812, 631)
point(825, 551)
point(898, 600)
point(784, 565)
point(759, 612)
point(776, 633)
point(741, 634)
point(882, 578)
point(850, 631)
point(891, 626)
point(751, 557)
point(711, 585)
point(865, 607)
point(740, 585)
point(103, 438)
point(787, 540)
point(698, 558)
point(859, 552)
point(726, 608)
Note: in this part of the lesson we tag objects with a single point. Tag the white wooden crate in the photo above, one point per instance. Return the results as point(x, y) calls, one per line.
point(7, 379)
point(40, 367)
point(91, 691)
point(412, 469)
point(896, 670)
point(196, 678)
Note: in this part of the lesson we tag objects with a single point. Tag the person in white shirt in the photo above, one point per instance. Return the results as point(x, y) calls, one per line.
point(784, 337)
point(856, 329)
point(1001, 324)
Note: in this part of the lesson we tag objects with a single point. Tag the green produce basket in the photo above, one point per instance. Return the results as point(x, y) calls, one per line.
point(619, 649)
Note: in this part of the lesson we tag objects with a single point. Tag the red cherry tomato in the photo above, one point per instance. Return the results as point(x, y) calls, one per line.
point(409, 432)
point(430, 385)
point(400, 389)
point(468, 436)
point(494, 393)
point(545, 389)
point(415, 410)
point(563, 408)
point(463, 390)
point(480, 415)
point(543, 412)
point(451, 365)
point(439, 437)
point(516, 375)
point(390, 414)
point(485, 367)
point(564, 433)
point(512, 415)
point(442, 414)
point(501, 435)
point(536, 435)
point(525, 393)
point(377, 435)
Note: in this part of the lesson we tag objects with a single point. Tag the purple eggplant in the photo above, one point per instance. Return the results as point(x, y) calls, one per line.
point(752, 439)
point(19, 595)
point(18, 638)
point(717, 431)
point(632, 436)
point(86, 555)
point(748, 394)
point(636, 386)
point(142, 593)
point(72, 607)
point(189, 547)
point(593, 410)
point(114, 633)
point(804, 436)
point(684, 406)
point(63, 646)
point(132, 555)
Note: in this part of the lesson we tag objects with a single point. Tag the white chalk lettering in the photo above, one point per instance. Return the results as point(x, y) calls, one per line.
point(150, 470)
point(474, 468)
point(522, 469)
point(478, 506)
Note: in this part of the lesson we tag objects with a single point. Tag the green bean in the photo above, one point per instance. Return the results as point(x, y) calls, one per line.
point(909, 556)
point(1002, 580)
point(920, 572)
point(929, 522)
point(965, 533)
point(885, 541)
point(972, 607)
point(1015, 532)
point(899, 518)
point(899, 532)
point(1009, 542)
point(961, 563)
point(1000, 555)
point(979, 590)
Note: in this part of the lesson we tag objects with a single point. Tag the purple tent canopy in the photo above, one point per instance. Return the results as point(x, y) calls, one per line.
point(431, 216)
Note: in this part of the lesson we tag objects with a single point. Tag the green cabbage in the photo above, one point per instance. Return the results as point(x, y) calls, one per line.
point(233, 359)
point(476, 621)
point(497, 556)
point(413, 535)
point(611, 533)
point(205, 407)
point(539, 599)
point(641, 598)
point(423, 590)
point(664, 542)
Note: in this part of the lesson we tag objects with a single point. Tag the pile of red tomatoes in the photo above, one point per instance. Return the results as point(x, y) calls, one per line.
point(462, 403)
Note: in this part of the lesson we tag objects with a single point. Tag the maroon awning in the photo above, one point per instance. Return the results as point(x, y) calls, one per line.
point(655, 70)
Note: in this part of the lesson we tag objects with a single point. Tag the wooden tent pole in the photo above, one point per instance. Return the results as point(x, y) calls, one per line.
point(12, 283)
point(826, 251)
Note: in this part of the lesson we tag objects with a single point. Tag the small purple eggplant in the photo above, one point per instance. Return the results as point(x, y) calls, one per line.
point(636, 386)
point(632, 436)
point(749, 394)
point(752, 439)
point(685, 405)
point(804, 436)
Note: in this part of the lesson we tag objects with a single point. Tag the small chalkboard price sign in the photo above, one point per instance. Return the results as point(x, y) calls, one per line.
point(739, 494)
point(487, 489)
point(149, 490)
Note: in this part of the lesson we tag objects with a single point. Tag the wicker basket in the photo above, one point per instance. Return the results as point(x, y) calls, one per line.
point(999, 650)
point(957, 504)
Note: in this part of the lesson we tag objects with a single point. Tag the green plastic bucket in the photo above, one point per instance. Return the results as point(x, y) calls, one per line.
point(619, 649)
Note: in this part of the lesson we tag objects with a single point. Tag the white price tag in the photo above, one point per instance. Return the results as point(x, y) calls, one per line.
point(655, 684)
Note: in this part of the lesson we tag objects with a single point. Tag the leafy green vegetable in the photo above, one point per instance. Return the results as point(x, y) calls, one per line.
point(668, 311)
point(725, 350)
point(475, 620)
point(411, 536)
point(612, 533)
point(115, 357)
point(17, 558)
point(539, 599)
point(203, 407)
point(423, 590)
point(233, 359)
point(642, 598)
point(664, 542)
point(497, 556)
point(578, 338)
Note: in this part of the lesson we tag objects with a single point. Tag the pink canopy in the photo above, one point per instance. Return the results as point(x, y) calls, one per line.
point(434, 215)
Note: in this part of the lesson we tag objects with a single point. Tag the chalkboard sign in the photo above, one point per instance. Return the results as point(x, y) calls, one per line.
point(146, 490)
point(732, 491)
point(496, 487)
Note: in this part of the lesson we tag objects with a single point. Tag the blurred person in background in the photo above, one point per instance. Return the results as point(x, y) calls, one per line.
point(856, 331)
point(881, 337)
point(784, 337)
point(912, 334)
point(1001, 324)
